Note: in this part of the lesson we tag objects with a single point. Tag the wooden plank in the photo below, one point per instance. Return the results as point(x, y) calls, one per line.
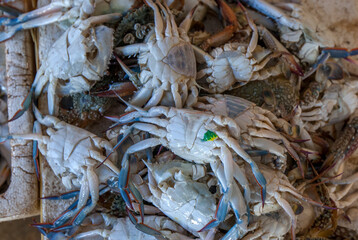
point(21, 198)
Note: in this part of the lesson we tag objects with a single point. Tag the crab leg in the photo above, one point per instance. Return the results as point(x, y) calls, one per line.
point(58, 223)
point(123, 182)
point(344, 146)
point(238, 150)
point(340, 52)
point(275, 45)
point(255, 35)
point(68, 195)
point(239, 175)
point(232, 195)
point(143, 227)
point(186, 23)
point(236, 232)
point(220, 214)
point(286, 206)
point(158, 21)
point(122, 89)
point(331, 52)
point(35, 150)
point(84, 206)
point(351, 179)
point(32, 22)
point(274, 13)
point(14, 12)
point(40, 12)
point(228, 32)
point(94, 192)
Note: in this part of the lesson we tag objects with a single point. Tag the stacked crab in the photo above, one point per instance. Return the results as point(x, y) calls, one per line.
point(243, 159)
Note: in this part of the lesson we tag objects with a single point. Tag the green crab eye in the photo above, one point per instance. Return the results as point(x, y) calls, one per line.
point(209, 136)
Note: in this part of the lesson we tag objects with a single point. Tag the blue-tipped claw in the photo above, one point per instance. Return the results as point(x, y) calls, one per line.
point(260, 180)
point(123, 185)
point(138, 198)
point(68, 195)
point(125, 188)
point(143, 227)
point(220, 214)
point(35, 150)
point(52, 235)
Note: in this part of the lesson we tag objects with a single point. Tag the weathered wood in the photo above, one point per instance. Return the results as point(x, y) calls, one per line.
point(21, 198)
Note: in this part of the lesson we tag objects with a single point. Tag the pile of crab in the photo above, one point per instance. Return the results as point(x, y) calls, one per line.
point(237, 124)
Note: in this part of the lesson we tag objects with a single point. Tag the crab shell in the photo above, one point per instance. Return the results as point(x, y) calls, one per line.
point(68, 153)
point(123, 228)
point(186, 201)
point(77, 60)
point(167, 61)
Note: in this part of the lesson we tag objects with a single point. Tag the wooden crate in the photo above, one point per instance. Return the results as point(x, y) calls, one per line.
point(21, 198)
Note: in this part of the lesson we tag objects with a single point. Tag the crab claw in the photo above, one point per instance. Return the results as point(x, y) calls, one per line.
point(143, 227)
point(231, 196)
point(294, 66)
point(22, 18)
point(123, 185)
point(222, 209)
point(133, 76)
point(126, 188)
point(260, 179)
point(220, 214)
point(26, 21)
